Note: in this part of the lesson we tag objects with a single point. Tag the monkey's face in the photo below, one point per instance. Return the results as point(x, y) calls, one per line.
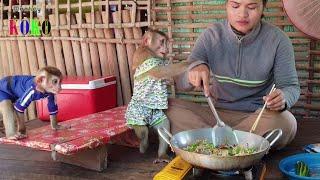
point(159, 46)
point(51, 84)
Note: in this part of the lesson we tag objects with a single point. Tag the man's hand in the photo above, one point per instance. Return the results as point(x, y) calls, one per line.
point(199, 76)
point(276, 100)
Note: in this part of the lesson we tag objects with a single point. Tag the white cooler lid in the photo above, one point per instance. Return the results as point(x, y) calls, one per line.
point(85, 82)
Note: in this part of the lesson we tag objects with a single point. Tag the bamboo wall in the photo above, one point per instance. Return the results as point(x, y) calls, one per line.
point(94, 38)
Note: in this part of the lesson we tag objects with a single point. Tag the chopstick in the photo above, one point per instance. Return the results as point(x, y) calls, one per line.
point(259, 116)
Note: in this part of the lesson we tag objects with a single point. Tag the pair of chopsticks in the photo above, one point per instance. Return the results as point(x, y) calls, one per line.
point(259, 116)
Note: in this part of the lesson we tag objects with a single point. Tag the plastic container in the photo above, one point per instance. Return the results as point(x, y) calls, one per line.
point(81, 96)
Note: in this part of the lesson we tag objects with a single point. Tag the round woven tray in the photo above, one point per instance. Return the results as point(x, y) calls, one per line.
point(305, 15)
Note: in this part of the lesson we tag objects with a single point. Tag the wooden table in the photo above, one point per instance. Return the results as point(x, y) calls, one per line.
point(125, 163)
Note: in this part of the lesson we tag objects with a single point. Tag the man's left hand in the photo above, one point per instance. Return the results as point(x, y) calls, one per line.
point(275, 100)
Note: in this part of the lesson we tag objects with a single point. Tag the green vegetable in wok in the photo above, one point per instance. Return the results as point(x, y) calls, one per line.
point(203, 147)
point(302, 169)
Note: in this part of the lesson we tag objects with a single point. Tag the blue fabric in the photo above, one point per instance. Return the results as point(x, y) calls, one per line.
point(23, 91)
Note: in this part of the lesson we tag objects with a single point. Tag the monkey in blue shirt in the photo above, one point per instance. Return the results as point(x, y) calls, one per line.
point(17, 92)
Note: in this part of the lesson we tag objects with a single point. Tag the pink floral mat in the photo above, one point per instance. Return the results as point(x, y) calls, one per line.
point(86, 132)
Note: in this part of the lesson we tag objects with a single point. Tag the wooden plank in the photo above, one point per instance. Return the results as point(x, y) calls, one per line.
point(84, 48)
point(105, 66)
point(16, 57)
point(40, 53)
point(122, 60)
point(67, 48)
point(57, 47)
point(94, 159)
point(128, 33)
point(112, 58)
point(94, 52)
point(76, 48)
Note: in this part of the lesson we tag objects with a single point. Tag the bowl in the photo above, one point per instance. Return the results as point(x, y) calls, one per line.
point(287, 166)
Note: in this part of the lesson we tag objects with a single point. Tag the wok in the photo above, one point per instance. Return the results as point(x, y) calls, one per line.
point(185, 138)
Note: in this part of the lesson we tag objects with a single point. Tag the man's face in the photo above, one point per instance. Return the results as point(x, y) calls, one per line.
point(159, 45)
point(244, 15)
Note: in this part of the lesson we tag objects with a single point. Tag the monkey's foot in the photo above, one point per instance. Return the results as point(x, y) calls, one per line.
point(161, 160)
point(18, 136)
point(60, 127)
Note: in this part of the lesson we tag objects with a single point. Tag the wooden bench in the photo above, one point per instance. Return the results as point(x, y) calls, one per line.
point(84, 144)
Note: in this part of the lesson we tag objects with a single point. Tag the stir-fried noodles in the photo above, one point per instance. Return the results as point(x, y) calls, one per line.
point(203, 147)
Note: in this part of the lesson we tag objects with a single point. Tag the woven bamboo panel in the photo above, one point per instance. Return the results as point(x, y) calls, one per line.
point(91, 37)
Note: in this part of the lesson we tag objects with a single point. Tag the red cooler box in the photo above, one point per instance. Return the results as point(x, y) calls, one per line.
point(81, 96)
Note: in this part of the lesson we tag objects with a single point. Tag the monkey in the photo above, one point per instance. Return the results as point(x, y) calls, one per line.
point(150, 100)
point(17, 92)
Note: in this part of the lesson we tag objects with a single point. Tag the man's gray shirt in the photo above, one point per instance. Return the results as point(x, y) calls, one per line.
point(245, 69)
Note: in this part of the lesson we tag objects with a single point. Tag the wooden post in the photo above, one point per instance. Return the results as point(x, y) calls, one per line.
point(94, 53)
point(9, 51)
point(10, 58)
point(137, 32)
point(128, 32)
point(40, 53)
point(4, 57)
point(48, 46)
point(33, 63)
point(57, 47)
point(122, 59)
point(105, 68)
point(26, 71)
point(16, 57)
point(84, 48)
point(24, 57)
point(76, 48)
point(112, 58)
point(1, 67)
point(67, 48)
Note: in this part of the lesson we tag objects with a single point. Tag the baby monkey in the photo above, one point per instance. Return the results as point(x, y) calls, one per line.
point(17, 92)
point(150, 97)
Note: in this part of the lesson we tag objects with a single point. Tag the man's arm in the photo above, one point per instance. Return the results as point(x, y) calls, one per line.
point(285, 74)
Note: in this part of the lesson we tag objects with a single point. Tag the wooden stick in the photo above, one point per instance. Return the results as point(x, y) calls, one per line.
point(67, 48)
point(259, 116)
point(76, 48)
point(57, 47)
point(94, 53)
point(84, 48)
point(112, 58)
point(122, 59)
